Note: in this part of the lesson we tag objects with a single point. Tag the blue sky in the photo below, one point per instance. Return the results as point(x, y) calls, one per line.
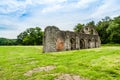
point(18, 15)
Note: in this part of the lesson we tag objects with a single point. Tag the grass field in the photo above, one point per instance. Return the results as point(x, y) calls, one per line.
point(94, 64)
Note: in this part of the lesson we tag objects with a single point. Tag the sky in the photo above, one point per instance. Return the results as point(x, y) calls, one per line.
point(18, 15)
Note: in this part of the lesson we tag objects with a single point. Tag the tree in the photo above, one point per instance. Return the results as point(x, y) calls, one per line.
point(107, 18)
point(101, 27)
point(4, 41)
point(78, 27)
point(32, 36)
point(109, 30)
point(91, 23)
point(114, 30)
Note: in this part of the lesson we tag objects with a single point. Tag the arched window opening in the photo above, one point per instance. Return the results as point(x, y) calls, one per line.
point(73, 43)
point(89, 43)
point(96, 41)
point(91, 31)
point(82, 44)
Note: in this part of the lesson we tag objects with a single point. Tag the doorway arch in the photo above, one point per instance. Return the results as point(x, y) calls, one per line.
point(89, 43)
point(82, 44)
point(96, 43)
point(73, 43)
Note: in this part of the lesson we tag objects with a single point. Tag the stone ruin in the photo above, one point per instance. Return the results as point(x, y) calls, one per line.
point(57, 40)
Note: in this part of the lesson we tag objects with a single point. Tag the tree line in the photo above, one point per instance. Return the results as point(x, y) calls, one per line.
point(108, 30)
point(31, 36)
point(4, 41)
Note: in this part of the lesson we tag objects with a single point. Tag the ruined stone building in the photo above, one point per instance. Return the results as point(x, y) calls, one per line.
point(57, 40)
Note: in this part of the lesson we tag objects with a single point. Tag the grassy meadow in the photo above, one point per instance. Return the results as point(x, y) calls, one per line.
point(94, 64)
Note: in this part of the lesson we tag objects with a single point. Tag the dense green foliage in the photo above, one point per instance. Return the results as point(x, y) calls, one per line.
point(108, 29)
point(94, 64)
point(101, 27)
point(32, 36)
point(4, 41)
point(92, 23)
point(78, 27)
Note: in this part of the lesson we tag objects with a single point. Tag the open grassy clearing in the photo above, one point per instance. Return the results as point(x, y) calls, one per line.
point(94, 64)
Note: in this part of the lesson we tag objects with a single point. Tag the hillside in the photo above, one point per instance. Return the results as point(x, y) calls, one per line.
point(5, 41)
point(29, 63)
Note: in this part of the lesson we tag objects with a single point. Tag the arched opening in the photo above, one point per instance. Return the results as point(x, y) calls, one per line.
point(89, 43)
point(82, 44)
point(96, 45)
point(91, 32)
point(73, 43)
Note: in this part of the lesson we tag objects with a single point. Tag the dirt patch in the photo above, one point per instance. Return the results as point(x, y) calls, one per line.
point(39, 69)
point(69, 77)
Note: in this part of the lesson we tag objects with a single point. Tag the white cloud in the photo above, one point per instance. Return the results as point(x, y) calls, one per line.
point(85, 3)
point(108, 8)
point(9, 34)
point(52, 12)
point(48, 1)
point(10, 6)
point(51, 9)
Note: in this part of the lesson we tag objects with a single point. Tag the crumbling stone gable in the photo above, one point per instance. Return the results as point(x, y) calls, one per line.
point(57, 40)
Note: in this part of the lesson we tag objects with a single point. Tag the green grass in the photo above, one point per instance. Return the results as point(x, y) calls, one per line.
point(95, 64)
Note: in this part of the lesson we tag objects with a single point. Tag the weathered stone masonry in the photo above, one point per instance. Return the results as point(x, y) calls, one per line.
point(57, 40)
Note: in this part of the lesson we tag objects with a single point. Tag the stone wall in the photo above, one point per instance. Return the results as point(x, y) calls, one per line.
point(57, 40)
